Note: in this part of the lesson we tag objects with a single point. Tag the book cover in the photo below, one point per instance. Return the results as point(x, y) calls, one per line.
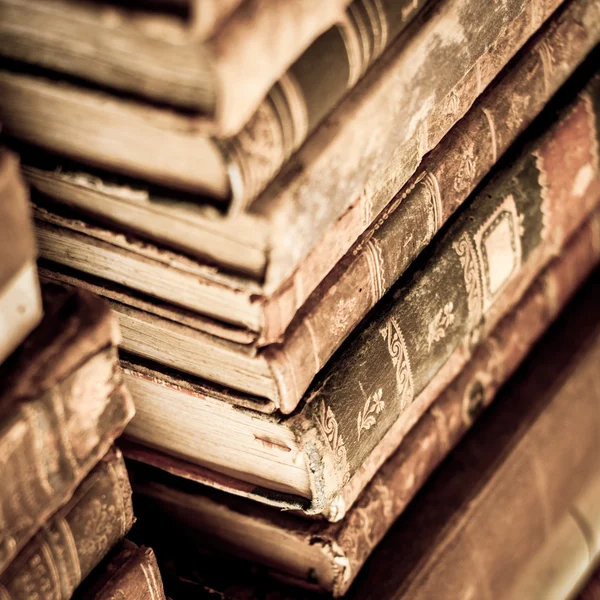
point(334, 553)
point(312, 208)
point(415, 342)
point(154, 53)
point(76, 538)
point(62, 405)
point(280, 374)
point(128, 572)
point(527, 477)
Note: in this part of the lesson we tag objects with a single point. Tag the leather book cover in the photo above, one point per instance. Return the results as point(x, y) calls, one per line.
point(346, 545)
point(147, 53)
point(309, 90)
point(521, 480)
point(129, 572)
point(62, 405)
point(415, 214)
point(334, 187)
point(422, 333)
point(76, 538)
point(439, 187)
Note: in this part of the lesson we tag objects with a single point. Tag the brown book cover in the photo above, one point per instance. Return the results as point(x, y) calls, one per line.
point(156, 54)
point(62, 404)
point(329, 192)
point(311, 88)
point(528, 473)
point(418, 338)
point(331, 554)
point(300, 99)
point(128, 572)
point(76, 538)
point(20, 301)
point(280, 374)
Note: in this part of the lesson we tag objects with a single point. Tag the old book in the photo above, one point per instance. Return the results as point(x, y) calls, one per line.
point(145, 52)
point(76, 538)
point(128, 572)
point(335, 185)
point(62, 404)
point(329, 555)
point(398, 360)
point(20, 301)
point(276, 377)
point(239, 166)
point(527, 478)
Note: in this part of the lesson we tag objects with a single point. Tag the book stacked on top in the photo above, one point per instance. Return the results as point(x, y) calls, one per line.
point(279, 343)
point(65, 498)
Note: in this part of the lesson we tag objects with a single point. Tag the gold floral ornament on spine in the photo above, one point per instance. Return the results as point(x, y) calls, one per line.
point(397, 349)
point(367, 417)
point(329, 426)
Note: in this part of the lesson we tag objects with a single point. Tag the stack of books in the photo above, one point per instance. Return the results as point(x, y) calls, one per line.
point(65, 498)
point(513, 512)
point(329, 234)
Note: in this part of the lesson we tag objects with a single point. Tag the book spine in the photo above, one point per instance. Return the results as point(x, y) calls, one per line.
point(128, 572)
point(367, 150)
point(76, 538)
point(517, 485)
point(456, 166)
point(51, 442)
point(139, 579)
point(309, 90)
point(425, 328)
point(261, 40)
point(455, 410)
